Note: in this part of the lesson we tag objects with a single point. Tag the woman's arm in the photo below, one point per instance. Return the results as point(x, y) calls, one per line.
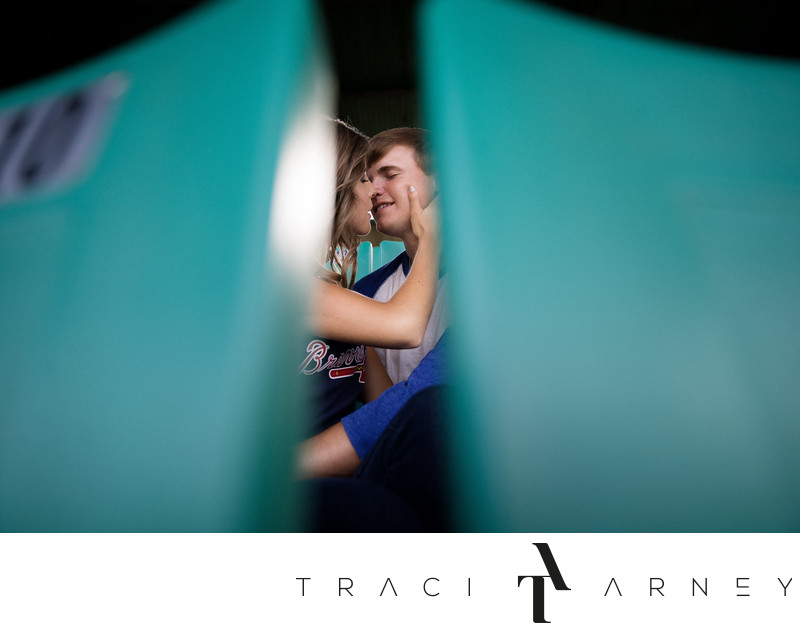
point(328, 454)
point(341, 314)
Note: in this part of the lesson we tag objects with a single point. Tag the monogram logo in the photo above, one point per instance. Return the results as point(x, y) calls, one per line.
point(554, 574)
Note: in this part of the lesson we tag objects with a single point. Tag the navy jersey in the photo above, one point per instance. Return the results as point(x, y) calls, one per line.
point(337, 371)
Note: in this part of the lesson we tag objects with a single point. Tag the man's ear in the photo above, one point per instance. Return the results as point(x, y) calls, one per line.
point(434, 188)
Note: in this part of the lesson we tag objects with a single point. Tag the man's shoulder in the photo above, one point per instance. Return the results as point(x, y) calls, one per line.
point(370, 284)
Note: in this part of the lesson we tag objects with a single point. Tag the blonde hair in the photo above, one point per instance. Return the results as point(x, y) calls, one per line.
point(341, 259)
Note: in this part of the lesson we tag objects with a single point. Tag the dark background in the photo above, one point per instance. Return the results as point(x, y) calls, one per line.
point(373, 41)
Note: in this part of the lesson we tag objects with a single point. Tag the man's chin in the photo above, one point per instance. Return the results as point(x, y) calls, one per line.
point(387, 230)
point(391, 222)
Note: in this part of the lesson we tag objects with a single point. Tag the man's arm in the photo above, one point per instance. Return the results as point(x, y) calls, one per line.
point(338, 451)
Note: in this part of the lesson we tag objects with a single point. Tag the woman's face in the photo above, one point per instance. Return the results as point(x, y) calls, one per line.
point(359, 213)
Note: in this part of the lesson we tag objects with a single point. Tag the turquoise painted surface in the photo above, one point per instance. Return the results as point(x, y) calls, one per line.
point(629, 351)
point(370, 257)
point(143, 369)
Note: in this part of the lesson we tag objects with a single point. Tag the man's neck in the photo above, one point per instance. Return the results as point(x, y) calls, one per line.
point(411, 243)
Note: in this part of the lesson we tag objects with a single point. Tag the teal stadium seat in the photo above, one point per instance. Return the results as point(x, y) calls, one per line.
point(371, 257)
point(627, 348)
point(364, 260)
point(145, 370)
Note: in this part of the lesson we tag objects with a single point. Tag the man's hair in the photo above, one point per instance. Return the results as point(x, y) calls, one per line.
point(414, 137)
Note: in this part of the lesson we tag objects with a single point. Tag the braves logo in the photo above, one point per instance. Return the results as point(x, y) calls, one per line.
point(344, 365)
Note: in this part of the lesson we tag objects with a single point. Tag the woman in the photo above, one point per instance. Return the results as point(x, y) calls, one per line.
point(347, 323)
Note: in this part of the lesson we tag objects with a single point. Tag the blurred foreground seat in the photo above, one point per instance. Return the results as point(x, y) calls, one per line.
point(145, 356)
point(629, 348)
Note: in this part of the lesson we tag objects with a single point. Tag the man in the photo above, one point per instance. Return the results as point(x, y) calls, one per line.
point(397, 159)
